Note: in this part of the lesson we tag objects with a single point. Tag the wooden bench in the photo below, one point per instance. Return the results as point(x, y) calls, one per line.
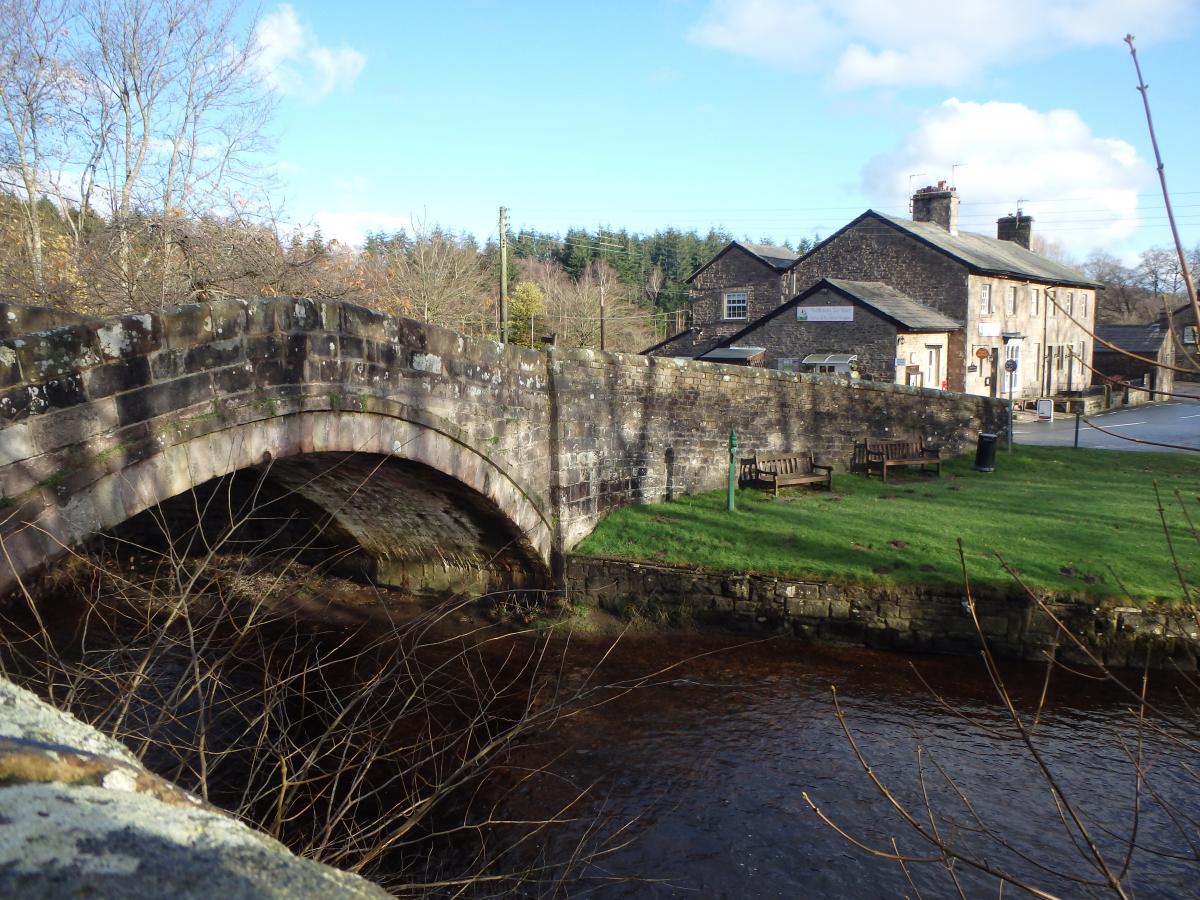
point(783, 469)
point(883, 455)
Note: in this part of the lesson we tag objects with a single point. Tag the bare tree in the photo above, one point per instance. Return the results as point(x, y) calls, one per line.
point(573, 307)
point(31, 96)
point(177, 106)
point(436, 276)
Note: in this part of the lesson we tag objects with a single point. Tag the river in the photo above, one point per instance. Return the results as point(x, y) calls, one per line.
point(700, 778)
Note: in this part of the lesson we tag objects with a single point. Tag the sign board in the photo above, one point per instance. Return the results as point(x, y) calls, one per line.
point(901, 361)
point(825, 313)
point(982, 353)
point(972, 368)
point(1010, 365)
point(1045, 410)
point(989, 329)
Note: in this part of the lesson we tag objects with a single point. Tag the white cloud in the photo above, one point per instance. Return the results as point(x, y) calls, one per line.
point(351, 226)
point(1080, 188)
point(294, 62)
point(884, 43)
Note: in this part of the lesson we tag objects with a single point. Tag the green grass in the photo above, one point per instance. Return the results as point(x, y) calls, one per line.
point(1072, 521)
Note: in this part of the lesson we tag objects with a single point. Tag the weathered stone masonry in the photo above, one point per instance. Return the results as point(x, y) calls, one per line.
point(890, 617)
point(101, 420)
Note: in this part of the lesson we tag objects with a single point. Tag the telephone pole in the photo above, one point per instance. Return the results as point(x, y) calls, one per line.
point(503, 275)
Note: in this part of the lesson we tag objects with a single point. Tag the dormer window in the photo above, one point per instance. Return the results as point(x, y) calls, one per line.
point(735, 304)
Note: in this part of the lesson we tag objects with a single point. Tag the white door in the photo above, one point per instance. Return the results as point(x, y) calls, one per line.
point(1012, 380)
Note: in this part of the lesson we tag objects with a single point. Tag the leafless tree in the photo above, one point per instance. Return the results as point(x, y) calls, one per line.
point(436, 276)
point(32, 95)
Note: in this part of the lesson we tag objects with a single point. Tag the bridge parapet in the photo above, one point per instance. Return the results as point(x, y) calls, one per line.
point(90, 414)
point(100, 420)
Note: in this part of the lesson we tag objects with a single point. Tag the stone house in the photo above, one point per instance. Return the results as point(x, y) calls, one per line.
point(1185, 335)
point(743, 282)
point(869, 327)
point(1010, 302)
point(1139, 354)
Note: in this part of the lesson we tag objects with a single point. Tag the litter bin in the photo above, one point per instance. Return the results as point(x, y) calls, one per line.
point(985, 453)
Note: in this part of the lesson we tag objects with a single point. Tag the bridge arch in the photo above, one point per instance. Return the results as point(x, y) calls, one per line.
point(489, 501)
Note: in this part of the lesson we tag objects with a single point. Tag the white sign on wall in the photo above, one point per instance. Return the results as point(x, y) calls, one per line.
point(825, 313)
point(989, 329)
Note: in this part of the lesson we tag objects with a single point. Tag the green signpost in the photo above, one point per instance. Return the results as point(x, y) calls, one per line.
point(732, 468)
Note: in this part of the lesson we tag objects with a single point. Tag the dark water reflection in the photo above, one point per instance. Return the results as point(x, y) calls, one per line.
point(713, 763)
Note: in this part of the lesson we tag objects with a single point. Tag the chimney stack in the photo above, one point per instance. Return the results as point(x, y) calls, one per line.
point(1018, 228)
point(937, 204)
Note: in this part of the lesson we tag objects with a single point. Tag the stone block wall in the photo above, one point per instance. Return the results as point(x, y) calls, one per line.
point(16, 318)
point(908, 619)
point(99, 420)
point(633, 429)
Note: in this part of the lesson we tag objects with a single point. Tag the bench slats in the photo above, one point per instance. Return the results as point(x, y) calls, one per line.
point(791, 468)
point(882, 455)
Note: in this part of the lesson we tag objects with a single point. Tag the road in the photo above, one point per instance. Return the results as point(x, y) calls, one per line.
point(1175, 421)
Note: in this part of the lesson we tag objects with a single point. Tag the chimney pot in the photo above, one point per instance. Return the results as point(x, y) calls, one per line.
point(1018, 229)
point(938, 205)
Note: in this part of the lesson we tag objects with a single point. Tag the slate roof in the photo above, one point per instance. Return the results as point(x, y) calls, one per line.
point(778, 258)
point(895, 305)
point(886, 300)
point(981, 254)
point(1140, 339)
point(732, 354)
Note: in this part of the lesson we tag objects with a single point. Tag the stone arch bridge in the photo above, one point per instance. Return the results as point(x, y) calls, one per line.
point(434, 455)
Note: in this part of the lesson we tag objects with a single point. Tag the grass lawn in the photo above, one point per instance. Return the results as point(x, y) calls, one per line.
point(1081, 521)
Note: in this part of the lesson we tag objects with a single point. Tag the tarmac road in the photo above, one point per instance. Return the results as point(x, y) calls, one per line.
point(1175, 421)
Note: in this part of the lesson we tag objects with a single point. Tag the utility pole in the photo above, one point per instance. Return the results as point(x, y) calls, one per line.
point(602, 313)
point(503, 275)
point(602, 276)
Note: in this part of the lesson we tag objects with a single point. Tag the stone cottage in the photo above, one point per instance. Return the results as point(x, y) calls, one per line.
point(1136, 354)
point(1009, 302)
point(743, 282)
point(882, 334)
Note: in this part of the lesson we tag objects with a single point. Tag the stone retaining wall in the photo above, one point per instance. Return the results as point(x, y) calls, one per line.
point(103, 419)
point(903, 618)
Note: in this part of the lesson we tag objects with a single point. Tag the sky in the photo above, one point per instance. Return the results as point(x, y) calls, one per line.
point(779, 119)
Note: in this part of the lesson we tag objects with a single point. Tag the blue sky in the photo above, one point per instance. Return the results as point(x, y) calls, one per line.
point(779, 118)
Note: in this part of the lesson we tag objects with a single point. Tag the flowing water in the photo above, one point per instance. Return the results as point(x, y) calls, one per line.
point(706, 772)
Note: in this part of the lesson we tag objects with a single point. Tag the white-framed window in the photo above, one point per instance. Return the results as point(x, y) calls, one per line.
point(1083, 299)
point(1035, 299)
point(985, 299)
point(1189, 335)
point(1070, 304)
point(1051, 304)
point(1011, 301)
point(735, 304)
point(1082, 353)
point(1058, 358)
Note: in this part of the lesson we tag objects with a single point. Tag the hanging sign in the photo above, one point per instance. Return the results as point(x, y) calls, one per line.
point(825, 313)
